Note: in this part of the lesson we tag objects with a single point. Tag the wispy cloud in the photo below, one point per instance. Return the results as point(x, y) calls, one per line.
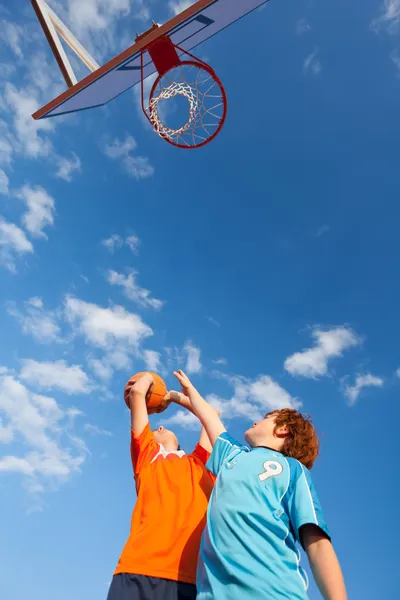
point(389, 17)
point(29, 141)
point(12, 35)
point(133, 243)
point(132, 290)
point(40, 209)
point(6, 145)
point(152, 360)
point(70, 379)
point(220, 361)
point(213, 322)
point(94, 430)
point(251, 400)
point(302, 26)
point(41, 324)
point(177, 6)
point(361, 382)
point(68, 166)
point(13, 244)
point(193, 358)
point(53, 453)
point(4, 182)
point(116, 242)
point(138, 167)
point(329, 344)
point(312, 63)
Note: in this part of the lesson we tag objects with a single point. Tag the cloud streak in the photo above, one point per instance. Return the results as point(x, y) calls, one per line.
point(329, 344)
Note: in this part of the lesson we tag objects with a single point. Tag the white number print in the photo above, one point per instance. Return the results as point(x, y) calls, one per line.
point(272, 468)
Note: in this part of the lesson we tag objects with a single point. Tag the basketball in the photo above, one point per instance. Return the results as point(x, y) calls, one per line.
point(154, 396)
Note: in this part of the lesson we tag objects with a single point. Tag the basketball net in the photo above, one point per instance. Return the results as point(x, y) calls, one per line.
point(193, 80)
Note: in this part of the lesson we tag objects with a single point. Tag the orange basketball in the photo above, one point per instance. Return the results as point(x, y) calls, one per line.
point(155, 395)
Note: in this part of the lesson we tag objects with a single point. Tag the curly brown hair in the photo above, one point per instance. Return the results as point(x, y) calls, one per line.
point(301, 442)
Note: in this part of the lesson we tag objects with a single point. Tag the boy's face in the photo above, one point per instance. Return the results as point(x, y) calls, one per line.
point(263, 433)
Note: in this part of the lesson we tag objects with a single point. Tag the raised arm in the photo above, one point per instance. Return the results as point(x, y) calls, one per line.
point(137, 396)
point(324, 563)
point(206, 414)
point(184, 401)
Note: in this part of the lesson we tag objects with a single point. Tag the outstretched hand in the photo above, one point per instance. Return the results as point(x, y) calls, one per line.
point(185, 382)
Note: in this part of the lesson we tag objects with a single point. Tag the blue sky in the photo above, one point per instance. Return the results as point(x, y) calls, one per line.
point(265, 264)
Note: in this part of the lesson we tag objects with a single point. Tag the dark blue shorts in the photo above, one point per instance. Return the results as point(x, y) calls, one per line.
point(126, 586)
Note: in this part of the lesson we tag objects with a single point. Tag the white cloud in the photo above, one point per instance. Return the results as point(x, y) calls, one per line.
point(6, 70)
point(13, 464)
point(220, 361)
point(182, 418)
point(152, 360)
point(12, 35)
point(213, 321)
point(193, 361)
point(177, 6)
point(36, 321)
point(106, 327)
point(13, 243)
point(36, 421)
point(4, 181)
point(251, 400)
point(389, 18)
point(133, 242)
point(67, 166)
point(132, 290)
point(138, 167)
point(94, 430)
point(398, 372)
point(101, 368)
point(120, 149)
point(6, 433)
point(313, 362)
point(302, 26)
point(312, 63)
point(115, 332)
point(70, 379)
point(6, 144)
point(40, 209)
point(22, 104)
point(115, 242)
point(362, 381)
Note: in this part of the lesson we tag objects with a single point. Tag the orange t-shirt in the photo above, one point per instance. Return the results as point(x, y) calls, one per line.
point(173, 490)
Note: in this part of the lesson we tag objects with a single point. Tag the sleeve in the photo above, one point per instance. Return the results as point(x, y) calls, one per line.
point(143, 449)
point(201, 453)
point(303, 503)
point(224, 448)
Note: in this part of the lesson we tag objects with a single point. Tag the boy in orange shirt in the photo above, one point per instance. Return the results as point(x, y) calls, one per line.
point(159, 559)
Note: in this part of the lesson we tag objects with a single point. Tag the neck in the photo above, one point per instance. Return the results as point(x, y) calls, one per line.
point(275, 445)
point(170, 447)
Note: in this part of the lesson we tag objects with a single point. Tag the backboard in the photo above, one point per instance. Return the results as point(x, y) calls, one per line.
point(191, 27)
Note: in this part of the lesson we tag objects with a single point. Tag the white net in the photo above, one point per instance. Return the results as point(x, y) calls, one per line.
point(204, 112)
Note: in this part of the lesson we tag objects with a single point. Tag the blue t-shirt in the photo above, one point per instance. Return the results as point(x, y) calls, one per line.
point(260, 500)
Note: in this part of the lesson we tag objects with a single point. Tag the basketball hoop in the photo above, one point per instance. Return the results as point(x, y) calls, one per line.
point(197, 83)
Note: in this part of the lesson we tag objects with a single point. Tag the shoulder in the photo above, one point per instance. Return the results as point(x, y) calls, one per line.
point(297, 471)
point(225, 439)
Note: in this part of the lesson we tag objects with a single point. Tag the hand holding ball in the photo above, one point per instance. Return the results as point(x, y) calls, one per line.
point(155, 395)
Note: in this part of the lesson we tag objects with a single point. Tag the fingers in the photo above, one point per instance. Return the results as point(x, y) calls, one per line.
point(181, 376)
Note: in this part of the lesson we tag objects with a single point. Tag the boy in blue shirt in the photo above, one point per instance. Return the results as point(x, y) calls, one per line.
point(263, 503)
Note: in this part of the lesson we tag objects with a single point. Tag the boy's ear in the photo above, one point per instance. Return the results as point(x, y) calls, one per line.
point(282, 431)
